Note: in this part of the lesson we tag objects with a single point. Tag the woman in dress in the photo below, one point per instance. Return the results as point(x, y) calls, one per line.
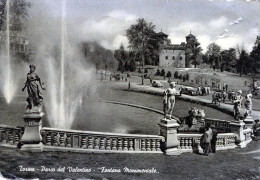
point(34, 95)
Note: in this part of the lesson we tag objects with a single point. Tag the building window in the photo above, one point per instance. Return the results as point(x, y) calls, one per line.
point(173, 57)
point(181, 58)
point(166, 57)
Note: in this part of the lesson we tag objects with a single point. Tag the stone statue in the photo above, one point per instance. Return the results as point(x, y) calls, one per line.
point(237, 104)
point(169, 100)
point(248, 105)
point(32, 84)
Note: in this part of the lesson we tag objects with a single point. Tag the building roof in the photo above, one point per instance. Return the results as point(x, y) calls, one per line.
point(174, 47)
point(162, 34)
point(190, 35)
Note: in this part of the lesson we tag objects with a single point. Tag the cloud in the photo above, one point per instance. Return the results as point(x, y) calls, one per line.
point(204, 40)
point(230, 41)
point(109, 30)
point(115, 44)
point(218, 23)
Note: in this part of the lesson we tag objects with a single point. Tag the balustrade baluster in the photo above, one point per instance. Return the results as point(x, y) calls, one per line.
point(148, 145)
point(153, 145)
point(61, 140)
point(10, 137)
point(55, 139)
point(84, 142)
point(119, 143)
point(108, 144)
point(4, 137)
point(90, 142)
point(131, 144)
point(182, 142)
point(186, 143)
point(142, 145)
point(68, 140)
point(48, 138)
point(114, 143)
point(125, 144)
point(96, 143)
point(158, 145)
point(16, 137)
point(102, 143)
point(190, 143)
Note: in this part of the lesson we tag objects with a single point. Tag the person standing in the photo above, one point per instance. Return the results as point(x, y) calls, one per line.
point(129, 85)
point(214, 140)
point(207, 140)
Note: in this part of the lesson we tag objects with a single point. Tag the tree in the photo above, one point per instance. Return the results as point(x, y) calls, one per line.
point(18, 13)
point(122, 57)
point(255, 55)
point(99, 56)
point(228, 59)
point(214, 55)
point(193, 53)
point(244, 63)
point(141, 39)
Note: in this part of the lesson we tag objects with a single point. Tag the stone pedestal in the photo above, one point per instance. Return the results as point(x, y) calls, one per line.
point(248, 122)
point(31, 138)
point(168, 129)
point(238, 127)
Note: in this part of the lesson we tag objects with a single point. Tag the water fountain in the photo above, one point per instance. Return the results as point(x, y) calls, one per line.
point(7, 77)
point(67, 85)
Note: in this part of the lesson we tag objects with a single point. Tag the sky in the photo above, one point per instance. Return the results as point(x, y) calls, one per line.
point(226, 22)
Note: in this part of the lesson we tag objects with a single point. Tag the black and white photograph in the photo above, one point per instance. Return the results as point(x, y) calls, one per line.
point(130, 89)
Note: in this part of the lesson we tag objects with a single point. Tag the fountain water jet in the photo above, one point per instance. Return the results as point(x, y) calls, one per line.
point(8, 81)
point(65, 87)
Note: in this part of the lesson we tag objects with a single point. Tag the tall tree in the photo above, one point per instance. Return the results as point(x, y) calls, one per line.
point(98, 55)
point(244, 63)
point(255, 55)
point(18, 13)
point(194, 53)
point(228, 59)
point(141, 38)
point(214, 55)
point(122, 57)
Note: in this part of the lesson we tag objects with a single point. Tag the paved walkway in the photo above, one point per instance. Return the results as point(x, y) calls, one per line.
point(204, 100)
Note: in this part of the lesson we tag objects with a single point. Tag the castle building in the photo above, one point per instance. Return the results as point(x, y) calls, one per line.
point(173, 55)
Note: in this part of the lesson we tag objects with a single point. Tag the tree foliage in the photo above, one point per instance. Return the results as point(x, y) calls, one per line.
point(142, 40)
point(99, 56)
point(193, 53)
point(213, 53)
point(126, 60)
point(255, 55)
point(18, 14)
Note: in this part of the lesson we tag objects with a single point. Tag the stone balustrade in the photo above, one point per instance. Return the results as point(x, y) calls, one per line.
point(10, 135)
point(220, 125)
point(190, 142)
point(89, 141)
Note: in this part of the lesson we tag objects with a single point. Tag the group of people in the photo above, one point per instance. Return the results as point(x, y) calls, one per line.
point(204, 90)
point(238, 103)
point(208, 140)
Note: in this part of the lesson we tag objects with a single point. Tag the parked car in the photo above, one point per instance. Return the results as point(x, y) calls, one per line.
point(190, 91)
point(157, 84)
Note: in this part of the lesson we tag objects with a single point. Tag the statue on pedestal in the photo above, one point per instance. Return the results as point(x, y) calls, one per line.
point(32, 84)
point(169, 100)
point(248, 105)
point(237, 104)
